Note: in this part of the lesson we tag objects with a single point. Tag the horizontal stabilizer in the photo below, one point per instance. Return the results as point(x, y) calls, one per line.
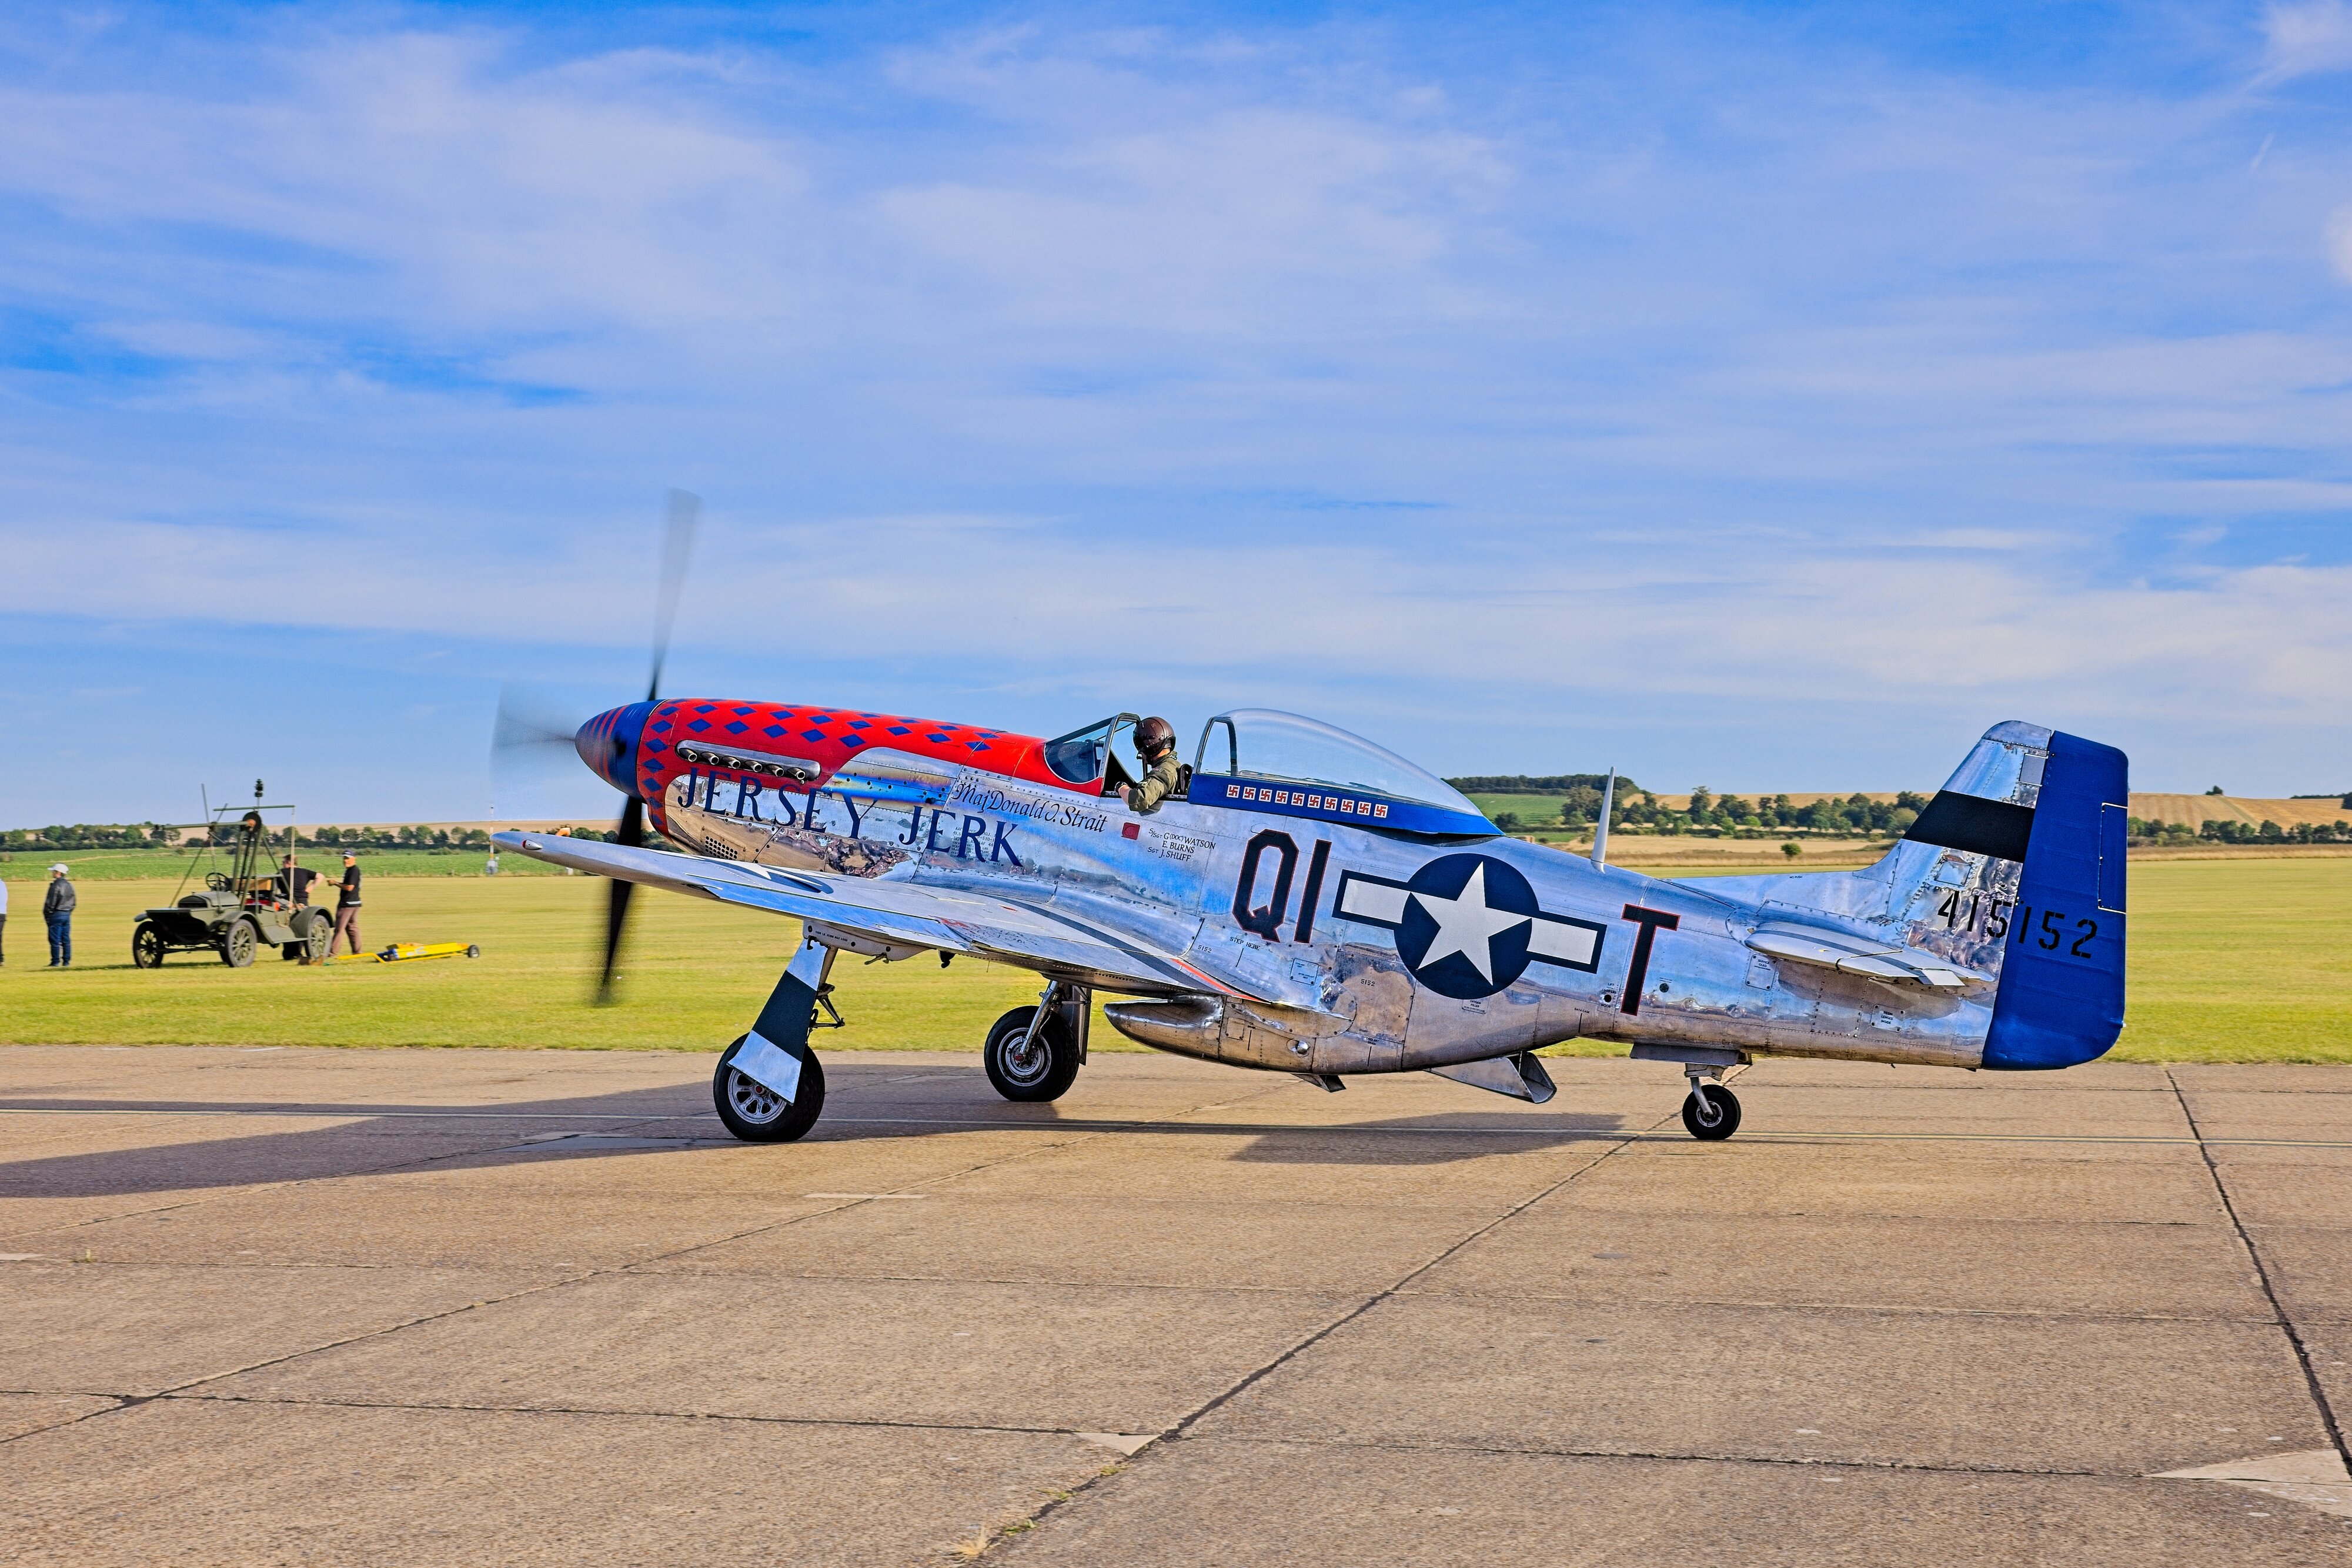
point(1858, 956)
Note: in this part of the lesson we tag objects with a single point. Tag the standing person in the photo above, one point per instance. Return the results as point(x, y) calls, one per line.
point(57, 909)
point(294, 883)
point(4, 918)
point(347, 907)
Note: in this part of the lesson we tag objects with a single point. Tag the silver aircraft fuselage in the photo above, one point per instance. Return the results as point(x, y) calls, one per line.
point(1340, 948)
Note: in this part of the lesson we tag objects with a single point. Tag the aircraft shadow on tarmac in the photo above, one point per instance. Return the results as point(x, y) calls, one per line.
point(386, 1138)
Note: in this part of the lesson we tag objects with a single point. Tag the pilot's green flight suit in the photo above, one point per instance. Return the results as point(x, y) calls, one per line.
point(1158, 782)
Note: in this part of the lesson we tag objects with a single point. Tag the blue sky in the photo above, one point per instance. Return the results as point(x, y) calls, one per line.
point(1766, 397)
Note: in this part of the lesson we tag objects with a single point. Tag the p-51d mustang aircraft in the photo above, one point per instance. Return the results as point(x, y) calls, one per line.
point(1310, 903)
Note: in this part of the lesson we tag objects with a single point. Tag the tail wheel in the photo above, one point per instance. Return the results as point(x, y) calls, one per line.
point(237, 943)
point(1711, 1113)
point(147, 946)
point(1025, 1068)
point(757, 1114)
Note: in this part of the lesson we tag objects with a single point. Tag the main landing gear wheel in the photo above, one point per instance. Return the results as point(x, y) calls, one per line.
point(1711, 1113)
point(757, 1114)
point(147, 946)
point(1022, 1068)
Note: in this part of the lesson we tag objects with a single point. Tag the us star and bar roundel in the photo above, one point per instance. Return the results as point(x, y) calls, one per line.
point(1468, 926)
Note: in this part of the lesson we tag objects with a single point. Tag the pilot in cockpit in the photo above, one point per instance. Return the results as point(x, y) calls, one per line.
point(1155, 743)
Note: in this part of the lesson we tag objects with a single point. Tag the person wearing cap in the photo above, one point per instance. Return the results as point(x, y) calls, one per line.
point(1155, 743)
point(347, 907)
point(57, 910)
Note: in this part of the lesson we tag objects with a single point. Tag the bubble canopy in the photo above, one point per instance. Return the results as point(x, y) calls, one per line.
point(1264, 742)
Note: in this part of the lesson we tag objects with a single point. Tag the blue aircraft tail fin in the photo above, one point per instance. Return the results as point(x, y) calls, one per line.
point(2061, 968)
point(2015, 868)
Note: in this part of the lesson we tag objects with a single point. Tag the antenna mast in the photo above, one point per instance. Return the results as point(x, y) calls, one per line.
point(1600, 827)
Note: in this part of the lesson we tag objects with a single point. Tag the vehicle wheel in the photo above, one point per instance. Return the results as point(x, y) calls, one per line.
point(472, 951)
point(1043, 1072)
point(147, 946)
point(237, 943)
point(755, 1113)
point(1716, 1117)
point(321, 937)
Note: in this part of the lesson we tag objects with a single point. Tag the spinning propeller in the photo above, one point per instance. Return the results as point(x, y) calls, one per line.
point(531, 735)
point(677, 544)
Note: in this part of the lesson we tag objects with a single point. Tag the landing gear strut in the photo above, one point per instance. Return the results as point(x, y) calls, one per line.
point(770, 1087)
point(1034, 1053)
point(1711, 1111)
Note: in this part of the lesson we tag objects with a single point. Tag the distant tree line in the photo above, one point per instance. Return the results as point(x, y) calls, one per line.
point(2153, 830)
point(165, 835)
point(416, 838)
point(1708, 812)
point(92, 836)
point(1548, 784)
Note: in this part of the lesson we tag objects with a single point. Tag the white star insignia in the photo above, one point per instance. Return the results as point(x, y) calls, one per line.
point(1467, 926)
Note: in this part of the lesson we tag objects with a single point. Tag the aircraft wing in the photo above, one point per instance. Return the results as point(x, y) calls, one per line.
point(892, 918)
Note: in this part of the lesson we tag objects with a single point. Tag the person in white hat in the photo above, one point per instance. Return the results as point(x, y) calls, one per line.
point(57, 909)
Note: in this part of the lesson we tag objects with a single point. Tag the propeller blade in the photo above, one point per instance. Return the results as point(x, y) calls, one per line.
point(527, 724)
point(616, 908)
point(530, 746)
point(677, 544)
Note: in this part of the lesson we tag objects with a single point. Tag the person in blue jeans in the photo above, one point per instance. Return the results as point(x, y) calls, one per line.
point(56, 908)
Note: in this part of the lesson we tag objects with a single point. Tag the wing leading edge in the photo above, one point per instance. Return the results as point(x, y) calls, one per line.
point(893, 914)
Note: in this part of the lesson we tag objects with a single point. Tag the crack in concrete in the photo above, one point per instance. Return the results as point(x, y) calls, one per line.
point(1182, 1430)
point(1560, 1451)
point(2287, 1323)
point(183, 1389)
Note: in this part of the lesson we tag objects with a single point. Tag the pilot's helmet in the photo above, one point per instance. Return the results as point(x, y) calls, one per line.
point(1154, 735)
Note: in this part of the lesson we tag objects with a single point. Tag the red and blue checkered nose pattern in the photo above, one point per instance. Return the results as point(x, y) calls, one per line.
point(608, 744)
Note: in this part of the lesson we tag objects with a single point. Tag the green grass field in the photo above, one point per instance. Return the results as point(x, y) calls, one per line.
point(2246, 960)
point(696, 974)
point(2239, 960)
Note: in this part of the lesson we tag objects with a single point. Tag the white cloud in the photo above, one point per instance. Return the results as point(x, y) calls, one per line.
point(1980, 622)
point(2306, 39)
point(1776, 378)
point(426, 183)
point(1263, 222)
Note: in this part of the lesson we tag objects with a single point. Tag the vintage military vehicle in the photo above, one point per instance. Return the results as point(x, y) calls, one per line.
point(239, 912)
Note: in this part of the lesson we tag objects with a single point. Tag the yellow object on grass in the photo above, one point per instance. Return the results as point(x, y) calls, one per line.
point(401, 952)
